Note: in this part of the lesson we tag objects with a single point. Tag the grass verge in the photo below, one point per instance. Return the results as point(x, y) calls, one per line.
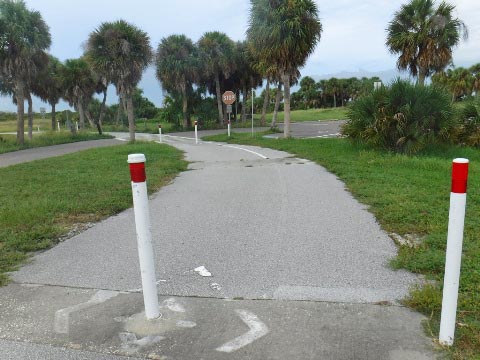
point(43, 200)
point(8, 142)
point(408, 195)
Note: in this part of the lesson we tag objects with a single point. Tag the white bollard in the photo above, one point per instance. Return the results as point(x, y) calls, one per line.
point(144, 236)
point(456, 219)
point(229, 127)
point(76, 125)
point(196, 132)
point(160, 132)
point(58, 125)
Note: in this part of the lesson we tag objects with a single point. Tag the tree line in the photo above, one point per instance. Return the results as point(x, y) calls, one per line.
point(280, 37)
point(460, 82)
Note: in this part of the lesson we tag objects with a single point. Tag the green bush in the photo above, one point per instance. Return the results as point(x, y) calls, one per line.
point(401, 117)
point(467, 131)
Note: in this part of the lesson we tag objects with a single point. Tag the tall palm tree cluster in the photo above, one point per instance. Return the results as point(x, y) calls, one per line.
point(331, 92)
point(459, 81)
point(280, 37)
point(115, 53)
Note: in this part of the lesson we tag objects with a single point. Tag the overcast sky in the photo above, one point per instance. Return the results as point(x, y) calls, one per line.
point(353, 35)
point(353, 31)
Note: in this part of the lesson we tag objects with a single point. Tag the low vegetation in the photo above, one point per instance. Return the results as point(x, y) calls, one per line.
point(406, 118)
point(409, 195)
point(39, 205)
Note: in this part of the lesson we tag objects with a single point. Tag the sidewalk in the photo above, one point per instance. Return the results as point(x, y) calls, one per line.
point(298, 271)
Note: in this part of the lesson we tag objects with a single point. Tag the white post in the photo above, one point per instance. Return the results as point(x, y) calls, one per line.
point(160, 132)
point(253, 96)
point(76, 125)
point(196, 132)
point(228, 124)
point(58, 125)
point(144, 236)
point(456, 219)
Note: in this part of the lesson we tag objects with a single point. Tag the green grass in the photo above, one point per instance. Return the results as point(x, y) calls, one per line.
point(42, 200)
point(38, 122)
point(339, 113)
point(8, 142)
point(409, 195)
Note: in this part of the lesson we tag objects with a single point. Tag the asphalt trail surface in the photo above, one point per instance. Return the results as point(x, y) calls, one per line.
point(299, 270)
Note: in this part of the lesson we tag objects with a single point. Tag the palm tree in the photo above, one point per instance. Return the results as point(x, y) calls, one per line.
point(176, 63)
point(216, 51)
point(246, 73)
point(284, 33)
point(79, 85)
point(475, 70)
point(122, 52)
point(423, 36)
point(23, 33)
point(48, 85)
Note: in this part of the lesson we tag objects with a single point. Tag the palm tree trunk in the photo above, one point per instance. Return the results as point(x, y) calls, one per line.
point(184, 105)
point(119, 111)
point(102, 111)
point(266, 99)
point(334, 99)
point(81, 114)
point(89, 117)
point(219, 98)
point(244, 103)
point(131, 119)
point(421, 77)
point(30, 116)
point(286, 102)
point(278, 96)
point(19, 94)
point(54, 116)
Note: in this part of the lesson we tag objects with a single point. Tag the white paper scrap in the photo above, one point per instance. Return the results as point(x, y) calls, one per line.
point(202, 271)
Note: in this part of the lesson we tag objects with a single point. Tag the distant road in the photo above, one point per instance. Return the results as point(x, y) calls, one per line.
point(21, 156)
point(315, 129)
point(307, 129)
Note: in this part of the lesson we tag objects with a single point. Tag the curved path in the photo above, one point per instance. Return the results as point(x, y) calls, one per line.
point(292, 257)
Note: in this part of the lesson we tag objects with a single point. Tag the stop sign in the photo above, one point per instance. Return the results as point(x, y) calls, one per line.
point(228, 97)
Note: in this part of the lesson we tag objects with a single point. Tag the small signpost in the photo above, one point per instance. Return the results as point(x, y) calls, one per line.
point(228, 99)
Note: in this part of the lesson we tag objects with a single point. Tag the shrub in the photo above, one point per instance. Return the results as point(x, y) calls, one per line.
point(467, 131)
point(401, 117)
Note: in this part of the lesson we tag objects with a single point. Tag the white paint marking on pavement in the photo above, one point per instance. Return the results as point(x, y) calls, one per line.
point(180, 137)
point(257, 330)
point(250, 151)
point(120, 139)
point(202, 271)
point(62, 317)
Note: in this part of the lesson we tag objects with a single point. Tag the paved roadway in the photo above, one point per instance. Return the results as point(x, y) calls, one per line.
point(298, 271)
point(21, 156)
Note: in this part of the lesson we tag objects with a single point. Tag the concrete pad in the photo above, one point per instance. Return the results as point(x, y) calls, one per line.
point(198, 328)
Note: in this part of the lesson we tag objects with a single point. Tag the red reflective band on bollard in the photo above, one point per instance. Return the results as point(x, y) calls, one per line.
point(459, 177)
point(137, 172)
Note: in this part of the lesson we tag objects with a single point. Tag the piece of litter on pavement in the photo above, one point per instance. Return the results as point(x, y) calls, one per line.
point(215, 286)
point(202, 271)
